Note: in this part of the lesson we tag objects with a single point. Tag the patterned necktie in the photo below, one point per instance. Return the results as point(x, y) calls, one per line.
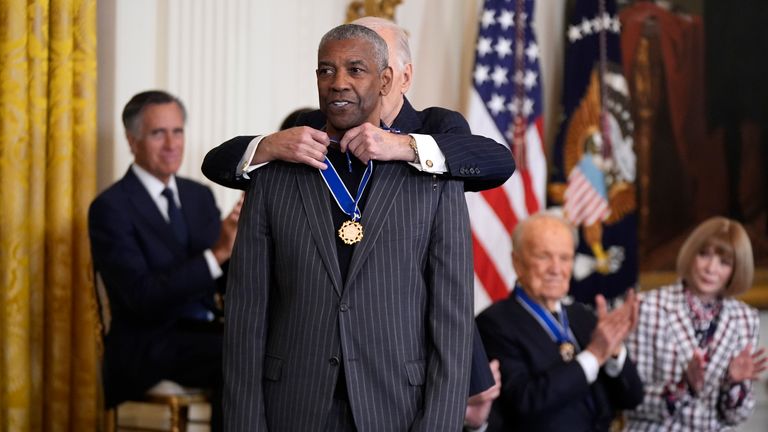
point(175, 218)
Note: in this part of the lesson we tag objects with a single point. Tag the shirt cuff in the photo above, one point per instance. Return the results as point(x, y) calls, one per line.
point(614, 365)
point(589, 364)
point(244, 166)
point(213, 265)
point(431, 159)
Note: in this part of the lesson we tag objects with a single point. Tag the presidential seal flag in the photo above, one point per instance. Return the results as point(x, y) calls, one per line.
point(505, 104)
point(594, 169)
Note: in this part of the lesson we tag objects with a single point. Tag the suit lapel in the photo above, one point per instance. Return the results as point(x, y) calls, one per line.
point(384, 189)
point(316, 203)
point(681, 326)
point(721, 346)
point(407, 120)
point(534, 333)
point(147, 210)
point(191, 216)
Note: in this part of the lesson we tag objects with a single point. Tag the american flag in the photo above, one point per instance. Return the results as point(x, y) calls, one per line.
point(593, 156)
point(505, 104)
point(586, 200)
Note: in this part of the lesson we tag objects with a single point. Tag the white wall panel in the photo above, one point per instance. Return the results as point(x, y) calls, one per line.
point(241, 65)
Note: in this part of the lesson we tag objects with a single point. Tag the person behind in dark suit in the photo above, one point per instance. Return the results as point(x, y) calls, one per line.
point(435, 140)
point(349, 314)
point(562, 367)
point(695, 344)
point(159, 246)
point(293, 117)
point(480, 162)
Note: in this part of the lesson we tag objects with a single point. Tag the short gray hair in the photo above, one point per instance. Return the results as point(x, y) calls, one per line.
point(354, 31)
point(517, 233)
point(402, 48)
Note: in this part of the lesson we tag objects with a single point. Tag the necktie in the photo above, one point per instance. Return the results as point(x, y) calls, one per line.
point(175, 218)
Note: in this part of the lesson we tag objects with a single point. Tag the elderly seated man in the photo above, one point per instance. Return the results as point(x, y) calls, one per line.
point(562, 367)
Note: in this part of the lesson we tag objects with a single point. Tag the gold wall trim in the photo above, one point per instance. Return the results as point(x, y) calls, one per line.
point(380, 8)
point(757, 296)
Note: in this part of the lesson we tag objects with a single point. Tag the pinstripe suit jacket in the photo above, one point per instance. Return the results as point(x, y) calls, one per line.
point(402, 323)
point(663, 344)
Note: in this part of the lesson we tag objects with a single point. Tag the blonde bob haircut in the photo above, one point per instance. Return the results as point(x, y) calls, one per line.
point(730, 241)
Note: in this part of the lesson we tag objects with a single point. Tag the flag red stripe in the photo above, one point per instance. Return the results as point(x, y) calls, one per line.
point(498, 200)
point(530, 197)
point(492, 281)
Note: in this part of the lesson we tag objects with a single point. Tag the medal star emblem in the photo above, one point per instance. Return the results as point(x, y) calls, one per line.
point(567, 351)
point(351, 232)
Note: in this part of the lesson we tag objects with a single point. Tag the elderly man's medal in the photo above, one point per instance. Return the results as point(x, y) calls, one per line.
point(567, 351)
point(351, 231)
point(556, 329)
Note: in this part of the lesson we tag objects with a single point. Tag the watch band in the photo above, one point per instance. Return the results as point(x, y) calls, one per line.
point(412, 144)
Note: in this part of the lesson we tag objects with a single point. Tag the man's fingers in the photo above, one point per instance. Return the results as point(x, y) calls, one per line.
point(602, 308)
point(314, 163)
point(348, 142)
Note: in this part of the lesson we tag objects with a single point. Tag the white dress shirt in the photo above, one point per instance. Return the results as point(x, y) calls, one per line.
point(431, 158)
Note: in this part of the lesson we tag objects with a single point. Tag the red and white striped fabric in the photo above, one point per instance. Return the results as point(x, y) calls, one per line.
point(584, 204)
point(505, 104)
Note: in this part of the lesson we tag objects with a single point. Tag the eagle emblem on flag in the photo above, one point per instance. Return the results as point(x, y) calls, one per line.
point(594, 162)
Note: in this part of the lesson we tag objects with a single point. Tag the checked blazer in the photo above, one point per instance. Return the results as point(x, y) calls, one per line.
point(663, 345)
point(401, 323)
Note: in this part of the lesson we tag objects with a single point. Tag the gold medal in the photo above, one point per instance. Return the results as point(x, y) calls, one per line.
point(351, 232)
point(567, 351)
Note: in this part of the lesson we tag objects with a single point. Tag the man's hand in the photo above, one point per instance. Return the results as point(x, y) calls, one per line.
point(612, 327)
point(222, 250)
point(300, 144)
point(369, 142)
point(479, 405)
point(747, 366)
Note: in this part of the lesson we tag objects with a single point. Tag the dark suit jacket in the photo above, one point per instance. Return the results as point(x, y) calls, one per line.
point(401, 323)
point(148, 275)
point(481, 163)
point(541, 392)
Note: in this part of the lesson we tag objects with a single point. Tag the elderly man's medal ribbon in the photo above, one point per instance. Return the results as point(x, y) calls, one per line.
point(351, 231)
point(558, 330)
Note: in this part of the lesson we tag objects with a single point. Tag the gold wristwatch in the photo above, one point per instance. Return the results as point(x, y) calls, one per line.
point(412, 144)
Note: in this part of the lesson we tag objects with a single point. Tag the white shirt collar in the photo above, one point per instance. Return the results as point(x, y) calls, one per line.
point(558, 307)
point(153, 185)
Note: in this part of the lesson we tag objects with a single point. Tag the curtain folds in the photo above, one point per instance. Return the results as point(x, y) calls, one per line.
point(48, 321)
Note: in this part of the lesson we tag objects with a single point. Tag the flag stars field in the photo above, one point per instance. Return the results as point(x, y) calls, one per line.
point(506, 105)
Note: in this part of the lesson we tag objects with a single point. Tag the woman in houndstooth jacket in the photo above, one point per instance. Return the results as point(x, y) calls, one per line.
point(695, 345)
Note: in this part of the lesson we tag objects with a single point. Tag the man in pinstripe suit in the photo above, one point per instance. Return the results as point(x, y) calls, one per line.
point(480, 162)
point(370, 336)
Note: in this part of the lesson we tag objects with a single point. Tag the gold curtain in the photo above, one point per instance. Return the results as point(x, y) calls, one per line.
point(48, 367)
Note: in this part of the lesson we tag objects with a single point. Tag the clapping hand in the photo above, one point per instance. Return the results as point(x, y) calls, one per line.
point(612, 327)
point(694, 373)
point(222, 250)
point(479, 405)
point(747, 365)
